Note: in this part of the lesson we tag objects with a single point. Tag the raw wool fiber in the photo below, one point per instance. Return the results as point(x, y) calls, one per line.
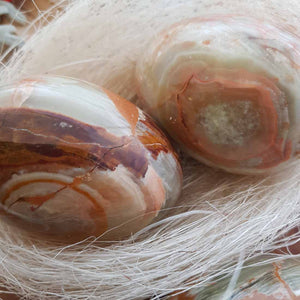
point(219, 220)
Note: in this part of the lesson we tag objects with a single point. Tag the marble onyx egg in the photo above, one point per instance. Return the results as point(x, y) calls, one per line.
point(226, 88)
point(76, 160)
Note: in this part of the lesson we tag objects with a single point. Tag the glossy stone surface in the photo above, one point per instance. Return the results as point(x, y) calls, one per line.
point(77, 160)
point(226, 88)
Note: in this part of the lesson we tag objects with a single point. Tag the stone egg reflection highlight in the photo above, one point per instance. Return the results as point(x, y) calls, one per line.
point(226, 88)
point(78, 161)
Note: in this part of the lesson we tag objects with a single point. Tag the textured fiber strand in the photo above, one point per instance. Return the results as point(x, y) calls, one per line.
point(220, 222)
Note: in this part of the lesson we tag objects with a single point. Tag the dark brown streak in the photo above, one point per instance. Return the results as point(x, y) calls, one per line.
point(76, 181)
point(44, 141)
point(25, 199)
point(113, 148)
point(179, 104)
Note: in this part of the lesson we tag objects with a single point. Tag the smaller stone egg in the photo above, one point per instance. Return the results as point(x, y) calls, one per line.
point(77, 160)
point(226, 88)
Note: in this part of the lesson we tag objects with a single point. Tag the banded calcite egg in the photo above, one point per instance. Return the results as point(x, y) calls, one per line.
point(227, 89)
point(76, 160)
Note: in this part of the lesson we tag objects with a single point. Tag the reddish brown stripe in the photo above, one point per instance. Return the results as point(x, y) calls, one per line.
point(35, 137)
point(153, 138)
point(128, 110)
point(98, 214)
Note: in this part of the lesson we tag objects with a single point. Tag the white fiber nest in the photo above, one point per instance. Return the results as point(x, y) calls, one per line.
point(219, 219)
